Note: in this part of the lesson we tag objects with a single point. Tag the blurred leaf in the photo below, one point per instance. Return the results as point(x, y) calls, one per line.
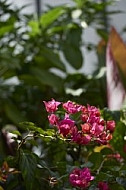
point(73, 55)
point(106, 151)
point(34, 25)
point(53, 58)
point(49, 17)
point(48, 78)
point(102, 176)
point(28, 165)
point(32, 127)
point(16, 133)
point(96, 159)
point(14, 113)
point(71, 47)
point(118, 141)
point(121, 181)
point(5, 29)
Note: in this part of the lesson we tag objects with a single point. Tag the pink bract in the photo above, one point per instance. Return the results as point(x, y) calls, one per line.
point(51, 106)
point(65, 126)
point(80, 138)
point(53, 119)
point(71, 107)
point(110, 126)
point(80, 177)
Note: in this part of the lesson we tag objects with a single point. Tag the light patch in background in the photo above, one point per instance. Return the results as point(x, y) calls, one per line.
point(76, 13)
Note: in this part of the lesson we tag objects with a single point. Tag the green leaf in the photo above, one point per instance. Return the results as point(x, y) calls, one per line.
point(28, 165)
point(32, 127)
point(118, 141)
point(71, 46)
point(5, 29)
point(53, 58)
point(14, 113)
point(35, 28)
point(49, 17)
point(73, 55)
point(56, 29)
point(96, 159)
point(102, 176)
point(16, 133)
point(47, 78)
point(106, 151)
point(121, 181)
point(34, 25)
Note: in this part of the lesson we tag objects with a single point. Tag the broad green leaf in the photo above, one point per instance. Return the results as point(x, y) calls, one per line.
point(28, 165)
point(53, 58)
point(13, 113)
point(71, 47)
point(118, 141)
point(34, 28)
point(49, 17)
point(96, 159)
point(47, 78)
point(106, 151)
point(56, 29)
point(28, 80)
point(73, 35)
point(73, 55)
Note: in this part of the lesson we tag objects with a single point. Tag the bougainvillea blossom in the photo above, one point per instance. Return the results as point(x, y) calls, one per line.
point(65, 126)
point(86, 127)
point(71, 107)
point(110, 126)
point(51, 106)
point(80, 177)
point(53, 119)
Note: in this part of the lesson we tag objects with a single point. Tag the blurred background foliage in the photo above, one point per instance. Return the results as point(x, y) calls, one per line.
point(34, 58)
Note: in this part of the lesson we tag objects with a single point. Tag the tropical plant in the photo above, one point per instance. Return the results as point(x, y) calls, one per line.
point(35, 54)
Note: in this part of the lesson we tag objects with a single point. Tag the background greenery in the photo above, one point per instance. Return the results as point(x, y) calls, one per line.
point(34, 59)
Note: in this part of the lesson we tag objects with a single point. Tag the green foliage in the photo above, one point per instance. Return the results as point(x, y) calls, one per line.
point(34, 57)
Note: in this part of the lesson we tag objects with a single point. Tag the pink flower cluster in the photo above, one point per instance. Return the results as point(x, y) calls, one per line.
point(80, 177)
point(89, 126)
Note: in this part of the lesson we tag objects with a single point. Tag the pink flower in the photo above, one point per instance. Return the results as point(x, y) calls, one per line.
point(93, 110)
point(96, 129)
point(51, 106)
point(103, 186)
point(86, 127)
point(80, 138)
point(84, 117)
point(53, 119)
point(110, 126)
point(71, 107)
point(104, 138)
point(65, 126)
point(80, 177)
